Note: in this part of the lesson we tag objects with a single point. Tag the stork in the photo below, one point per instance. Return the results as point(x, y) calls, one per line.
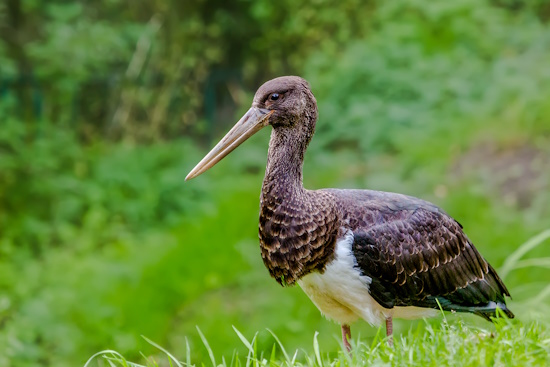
point(357, 254)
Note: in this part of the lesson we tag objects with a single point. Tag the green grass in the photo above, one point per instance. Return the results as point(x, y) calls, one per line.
point(431, 343)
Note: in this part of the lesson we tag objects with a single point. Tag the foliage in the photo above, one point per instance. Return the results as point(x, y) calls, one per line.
point(70, 217)
point(141, 73)
point(427, 68)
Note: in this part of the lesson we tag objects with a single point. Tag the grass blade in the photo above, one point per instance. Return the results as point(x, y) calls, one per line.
point(293, 361)
point(512, 260)
point(244, 340)
point(282, 347)
point(272, 359)
point(543, 262)
point(163, 350)
point(542, 295)
point(104, 353)
point(248, 345)
point(316, 349)
point(210, 352)
point(187, 353)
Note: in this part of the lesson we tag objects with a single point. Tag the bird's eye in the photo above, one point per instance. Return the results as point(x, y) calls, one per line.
point(274, 96)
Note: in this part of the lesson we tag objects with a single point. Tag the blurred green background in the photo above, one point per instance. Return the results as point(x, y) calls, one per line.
point(105, 106)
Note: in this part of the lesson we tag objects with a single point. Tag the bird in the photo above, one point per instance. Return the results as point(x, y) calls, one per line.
point(357, 254)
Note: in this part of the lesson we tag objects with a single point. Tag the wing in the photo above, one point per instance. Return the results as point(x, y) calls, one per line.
point(421, 257)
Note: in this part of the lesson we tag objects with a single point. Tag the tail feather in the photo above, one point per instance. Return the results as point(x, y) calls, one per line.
point(486, 311)
point(482, 297)
point(491, 311)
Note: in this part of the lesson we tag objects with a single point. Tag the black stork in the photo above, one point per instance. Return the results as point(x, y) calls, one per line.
point(357, 254)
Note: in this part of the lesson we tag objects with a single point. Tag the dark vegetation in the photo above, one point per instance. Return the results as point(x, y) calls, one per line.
point(105, 106)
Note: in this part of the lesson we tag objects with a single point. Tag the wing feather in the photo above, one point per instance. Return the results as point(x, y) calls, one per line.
point(420, 257)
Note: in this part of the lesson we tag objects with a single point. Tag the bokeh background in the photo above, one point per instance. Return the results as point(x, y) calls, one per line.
point(106, 105)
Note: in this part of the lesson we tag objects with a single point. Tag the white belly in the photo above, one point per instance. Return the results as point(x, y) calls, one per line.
point(341, 293)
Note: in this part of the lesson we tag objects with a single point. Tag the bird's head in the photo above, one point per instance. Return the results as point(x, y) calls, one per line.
point(288, 98)
point(286, 103)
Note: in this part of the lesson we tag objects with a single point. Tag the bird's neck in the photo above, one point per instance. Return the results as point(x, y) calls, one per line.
point(298, 227)
point(283, 175)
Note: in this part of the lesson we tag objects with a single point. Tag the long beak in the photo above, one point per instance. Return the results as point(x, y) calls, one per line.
point(252, 122)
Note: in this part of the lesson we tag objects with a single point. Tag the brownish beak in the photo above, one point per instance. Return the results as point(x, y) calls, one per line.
point(252, 122)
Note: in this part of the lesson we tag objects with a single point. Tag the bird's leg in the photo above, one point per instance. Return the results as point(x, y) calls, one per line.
point(346, 335)
point(389, 330)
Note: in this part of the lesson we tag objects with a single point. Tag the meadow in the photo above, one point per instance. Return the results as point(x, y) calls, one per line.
point(104, 247)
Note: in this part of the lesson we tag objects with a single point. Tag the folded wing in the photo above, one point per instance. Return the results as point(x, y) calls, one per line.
point(424, 259)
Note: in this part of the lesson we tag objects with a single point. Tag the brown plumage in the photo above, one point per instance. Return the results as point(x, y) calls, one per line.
point(296, 240)
point(356, 253)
